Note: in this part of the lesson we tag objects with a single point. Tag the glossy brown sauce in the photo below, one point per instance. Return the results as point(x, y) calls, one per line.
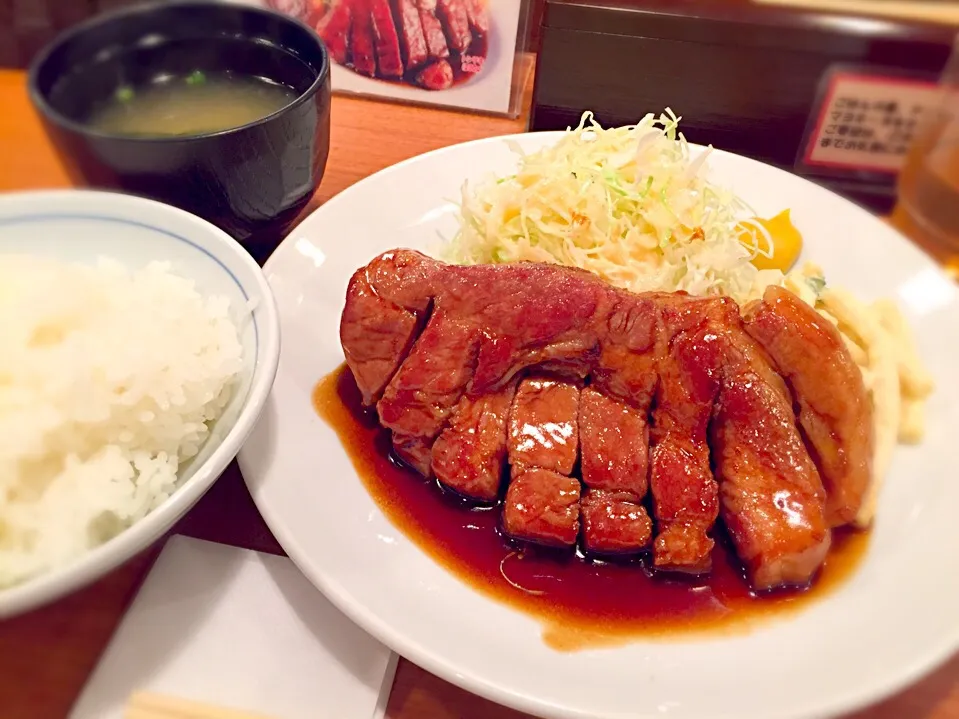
point(582, 603)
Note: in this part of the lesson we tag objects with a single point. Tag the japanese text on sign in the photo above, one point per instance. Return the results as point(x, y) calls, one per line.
point(867, 122)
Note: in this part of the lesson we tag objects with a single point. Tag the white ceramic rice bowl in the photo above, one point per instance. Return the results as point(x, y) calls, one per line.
point(81, 226)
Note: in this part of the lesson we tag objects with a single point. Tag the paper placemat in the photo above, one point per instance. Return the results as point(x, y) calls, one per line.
point(242, 630)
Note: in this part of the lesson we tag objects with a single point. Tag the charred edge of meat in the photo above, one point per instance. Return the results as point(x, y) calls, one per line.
point(413, 452)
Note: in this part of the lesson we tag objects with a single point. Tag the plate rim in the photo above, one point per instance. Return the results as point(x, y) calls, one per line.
point(412, 649)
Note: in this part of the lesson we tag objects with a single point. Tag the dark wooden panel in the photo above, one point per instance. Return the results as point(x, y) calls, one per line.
point(535, 24)
point(8, 47)
point(25, 22)
point(27, 25)
point(745, 78)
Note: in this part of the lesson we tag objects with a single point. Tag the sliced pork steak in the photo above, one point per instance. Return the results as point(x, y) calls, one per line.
point(773, 502)
point(614, 442)
point(469, 456)
point(614, 522)
point(685, 494)
point(543, 427)
point(543, 445)
point(439, 349)
point(542, 506)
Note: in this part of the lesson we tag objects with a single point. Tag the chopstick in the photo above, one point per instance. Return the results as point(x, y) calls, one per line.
point(146, 705)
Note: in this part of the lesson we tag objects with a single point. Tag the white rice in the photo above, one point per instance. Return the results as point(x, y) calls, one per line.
point(109, 381)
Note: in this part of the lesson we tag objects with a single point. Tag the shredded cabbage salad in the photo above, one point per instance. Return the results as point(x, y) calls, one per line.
point(628, 203)
point(632, 204)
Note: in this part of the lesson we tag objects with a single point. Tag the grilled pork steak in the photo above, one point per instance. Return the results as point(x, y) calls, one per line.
point(566, 376)
point(773, 503)
point(543, 427)
point(834, 409)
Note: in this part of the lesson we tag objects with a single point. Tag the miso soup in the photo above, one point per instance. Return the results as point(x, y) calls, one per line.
point(192, 105)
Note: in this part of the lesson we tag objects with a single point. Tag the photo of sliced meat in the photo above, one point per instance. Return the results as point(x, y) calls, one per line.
point(453, 15)
point(412, 39)
point(477, 15)
point(436, 44)
point(564, 402)
point(387, 41)
point(437, 76)
point(543, 425)
point(300, 9)
point(430, 44)
point(335, 28)
point(362, 41)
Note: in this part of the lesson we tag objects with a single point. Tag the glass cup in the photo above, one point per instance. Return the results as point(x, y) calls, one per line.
point(927, 209)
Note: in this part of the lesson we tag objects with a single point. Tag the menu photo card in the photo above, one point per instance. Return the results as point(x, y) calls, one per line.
point(457, 53)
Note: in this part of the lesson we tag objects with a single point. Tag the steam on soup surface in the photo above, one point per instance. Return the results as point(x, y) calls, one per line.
point(191, 105)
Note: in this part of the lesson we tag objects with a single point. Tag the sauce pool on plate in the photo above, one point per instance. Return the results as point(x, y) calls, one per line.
point(581, 602)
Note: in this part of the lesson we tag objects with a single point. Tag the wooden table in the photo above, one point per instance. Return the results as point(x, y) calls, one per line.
point(46, 656)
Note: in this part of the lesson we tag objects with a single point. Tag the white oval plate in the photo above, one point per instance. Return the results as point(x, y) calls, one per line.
point(895, 619)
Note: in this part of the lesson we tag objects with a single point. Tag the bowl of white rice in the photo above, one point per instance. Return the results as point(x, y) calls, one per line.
point(138, 345)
